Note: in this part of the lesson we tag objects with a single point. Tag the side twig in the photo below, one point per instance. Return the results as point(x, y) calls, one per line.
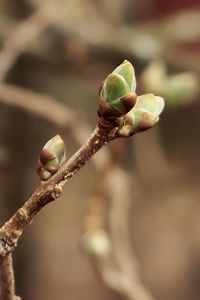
point(119, 191)
point(110, 246)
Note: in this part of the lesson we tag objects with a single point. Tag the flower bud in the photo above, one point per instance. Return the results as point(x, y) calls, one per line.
point(51, 158)
point(143, 116)
point(117, 93)
point(150, 103)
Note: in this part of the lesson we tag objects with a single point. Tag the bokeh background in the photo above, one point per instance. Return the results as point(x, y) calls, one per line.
point(64, 49)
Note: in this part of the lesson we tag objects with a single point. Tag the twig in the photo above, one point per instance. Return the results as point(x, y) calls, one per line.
point(58, 114)
point(119, 190)
point(116, 264)
point(64, 118)
point(52, 189)
point(109, 273)
point(7, 279)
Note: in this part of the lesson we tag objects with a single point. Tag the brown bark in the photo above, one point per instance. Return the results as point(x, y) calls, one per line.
point(7, 279)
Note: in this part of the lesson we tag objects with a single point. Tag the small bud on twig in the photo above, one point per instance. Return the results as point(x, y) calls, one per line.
point(117, 93)
point(51, 158)
point(143, 116)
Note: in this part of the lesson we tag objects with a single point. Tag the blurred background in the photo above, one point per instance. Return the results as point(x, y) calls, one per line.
point(138, 219)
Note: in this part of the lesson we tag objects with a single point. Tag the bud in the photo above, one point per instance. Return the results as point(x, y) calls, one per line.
point(181, 88)
point(143, 116)
point(117, 93)
point(51, 157)
point(176, 89)
point(97, 244)
point(150, 103)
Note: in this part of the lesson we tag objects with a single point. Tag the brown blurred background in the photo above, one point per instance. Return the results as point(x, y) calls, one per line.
point(64, 49)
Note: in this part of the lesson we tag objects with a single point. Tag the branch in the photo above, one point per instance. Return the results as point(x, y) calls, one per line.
point(117, 119)
point(58, 114)
point(7, 279)
point(49, 191)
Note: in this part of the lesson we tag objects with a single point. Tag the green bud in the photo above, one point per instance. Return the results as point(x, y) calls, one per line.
point(150, 103)
point(143, 116)
point(117, 93)
point(51, 157)
point(176, 89)
point(114, 87)
point(126, 70)
point(118, 108)
point(180, 89)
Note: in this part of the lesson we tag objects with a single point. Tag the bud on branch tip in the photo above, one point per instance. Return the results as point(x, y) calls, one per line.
point(118, 101)
point(51, 157)
point(117, 93)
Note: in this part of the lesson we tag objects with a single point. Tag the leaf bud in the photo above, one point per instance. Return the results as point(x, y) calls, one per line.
point(117, 92)
point(51, 158)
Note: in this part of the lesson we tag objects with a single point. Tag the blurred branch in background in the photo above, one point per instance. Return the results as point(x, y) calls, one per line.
point(24, 33)
point(119, 219)
point(35, 103)
point(110, 245)
point(59, 114)
point(145, 41)
point(168, 38)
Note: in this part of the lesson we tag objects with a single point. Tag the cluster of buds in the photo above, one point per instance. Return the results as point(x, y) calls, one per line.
point(119, 103)
point(51, 158)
